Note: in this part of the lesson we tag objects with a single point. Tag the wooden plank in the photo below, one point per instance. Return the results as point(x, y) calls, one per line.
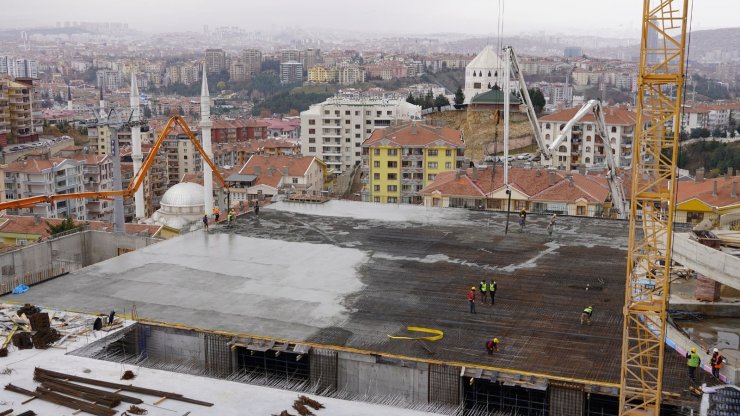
point(132, 388)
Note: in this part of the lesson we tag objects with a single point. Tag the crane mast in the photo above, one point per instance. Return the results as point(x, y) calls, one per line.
point(615, 183)
point(652, 204)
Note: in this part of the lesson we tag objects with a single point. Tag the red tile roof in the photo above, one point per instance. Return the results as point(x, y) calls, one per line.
point(613, 115)
point(271, 167)
point(416, 134)
point(25, 224)
point(703, 190)
point(34, 165)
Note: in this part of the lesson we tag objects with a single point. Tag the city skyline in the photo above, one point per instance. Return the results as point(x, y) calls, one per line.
point(474, 17)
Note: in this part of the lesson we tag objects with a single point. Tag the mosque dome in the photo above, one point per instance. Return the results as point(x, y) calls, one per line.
point(183, 195)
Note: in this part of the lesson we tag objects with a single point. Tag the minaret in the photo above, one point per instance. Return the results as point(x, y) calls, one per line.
point(103, 113)
point(69, 97)
point(136, 145)
point(205, 126)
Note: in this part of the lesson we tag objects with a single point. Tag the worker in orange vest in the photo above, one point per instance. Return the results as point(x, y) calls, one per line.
point(716, 361)
point(216, 213)
point(471, 299)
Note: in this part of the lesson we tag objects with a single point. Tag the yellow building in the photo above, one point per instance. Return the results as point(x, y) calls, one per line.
point(399, 161)
point(715, 199)
point(318, 75)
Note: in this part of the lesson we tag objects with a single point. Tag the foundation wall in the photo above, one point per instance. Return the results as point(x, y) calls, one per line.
point(367, 375)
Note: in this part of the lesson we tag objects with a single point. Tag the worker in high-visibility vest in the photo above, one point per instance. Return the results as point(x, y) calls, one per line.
point(492, 290)
point(216, 214)
point(492, 345)
point(471, 299)
point(716, 362)
point(586, 315)
point(693, 361)
point(483, 290)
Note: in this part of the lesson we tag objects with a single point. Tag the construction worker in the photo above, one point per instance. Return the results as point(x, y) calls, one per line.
point(483, 289)
point(551, 224)
point(257, 207)
point(716, 362)
point(216, 214)
point(586, 315)
point(693, 362)
point(231, 216)
point(471, 299)
point(205, 222)
point(522, 219)
point(492, 290)
point(492, 345)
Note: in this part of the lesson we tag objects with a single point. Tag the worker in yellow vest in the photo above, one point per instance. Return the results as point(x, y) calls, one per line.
point(586, 315)
point(693, 361)
point(483, 290)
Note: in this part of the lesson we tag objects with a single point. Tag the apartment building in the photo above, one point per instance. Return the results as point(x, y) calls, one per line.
point(291, 72)
point(154, 185)
point(215, 60)
point(252, 60)
point(19, 67)
point(230, 131)
point(582, 147)
point(350, 74)
point(27, 178)
point(237, 72)
point(334, 130)
point(20, 115)
point(710, 116)
point(182, 157)
point(110, 80)
point(290, 55)
point(264, 176)
point(399, 161)
point(97, 176)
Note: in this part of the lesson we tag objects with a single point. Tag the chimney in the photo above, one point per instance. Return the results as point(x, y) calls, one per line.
point(570, 180)
point(714, 188)
point(550, 177)
point(257, 170)
point(270, 171)
point(36, 219)
point(731, 171)
point(733, 193)
point(413, 127)
point(474, 175)
point(285, 171)
point(699, 176)
point(538, 173)
point(458, 174)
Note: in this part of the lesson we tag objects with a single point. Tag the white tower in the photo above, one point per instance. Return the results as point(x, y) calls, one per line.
point(103, 113)
point(205, 125)
point(136, 145)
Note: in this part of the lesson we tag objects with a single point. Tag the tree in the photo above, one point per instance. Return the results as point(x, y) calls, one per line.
point(459, 96)
point(538, 99)
point(428, 100)
point(410, 99)
point(67, 224)
point(717, 132)
point(441, 101)
point(221, 86)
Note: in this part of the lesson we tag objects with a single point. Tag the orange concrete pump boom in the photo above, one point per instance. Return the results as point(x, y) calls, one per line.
point(136, 181)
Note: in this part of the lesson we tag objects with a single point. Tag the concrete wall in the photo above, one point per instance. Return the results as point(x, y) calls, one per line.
point(375, 376)
point(712, 263)
point(173, 345)
point(38, 262)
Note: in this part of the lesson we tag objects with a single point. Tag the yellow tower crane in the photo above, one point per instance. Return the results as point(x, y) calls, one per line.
point(652, 202)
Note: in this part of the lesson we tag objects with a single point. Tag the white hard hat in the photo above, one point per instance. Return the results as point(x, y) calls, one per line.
point(716, 350)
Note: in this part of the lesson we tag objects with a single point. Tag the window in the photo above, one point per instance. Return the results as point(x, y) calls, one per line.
point(614, 129)
point(588, 160)
point(448, 152)
point(376, 188)
point(432, 152)
point(432, 165)
point(378, 113)
point(376, 164)
point(185, 157)
point(295, 180)
point(311, 131)
point(562, 149)
point(368, 131)
point(547, 136)
point(376, 176)
point(367, 113)
point(392, 177)
point(392, 188)
point(376, 199)
point(346, 122)
point(347, 140)
point(547, 125)
point(357, 135)
point(312, 140)
point(448, 165)
point(580, 210)
point(561, 127)
point(588, 138)
point(588, 149)
point(326, 111)
point(376, 152)
point(431, 176)
point(390, 113)
point(311, 122)
point(357, 126)
point(392, 164)
point(589, 127)
point(368, 122)
point(392, 152)
point(357, 113)
point(346, 113)
point(476, 85)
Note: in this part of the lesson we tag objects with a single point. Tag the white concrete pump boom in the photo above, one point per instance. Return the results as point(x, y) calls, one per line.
point(615, 183)
point(545, 152)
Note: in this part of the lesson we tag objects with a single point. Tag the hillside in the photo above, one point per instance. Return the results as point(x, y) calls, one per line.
point(478, 130)
point(714, 157)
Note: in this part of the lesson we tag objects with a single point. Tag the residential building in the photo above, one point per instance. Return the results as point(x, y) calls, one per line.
point(556, 93)
point(400, 160)
point(27, 178)
point(312, 57)
point(286, 128)
point(714, 199)
point(350, 74)
point(334, 130)
point(108, 79)
point(97, 176)
point(252, 60)
point(317, 75)
point(215, 61)
point(710, 116)
point(237, 72)
point(484, 72)
point(19, 67)
point(20, 115)
point(291, 72)
point(265, 176)
point(290, 55)
point(572, 52)
point(533, 190)
point(582, 147)
point(230, 131)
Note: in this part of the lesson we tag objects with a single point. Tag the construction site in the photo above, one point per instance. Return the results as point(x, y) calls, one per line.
point(361, 303)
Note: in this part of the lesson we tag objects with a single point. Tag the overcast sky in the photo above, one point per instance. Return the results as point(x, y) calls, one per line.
point(599, 17)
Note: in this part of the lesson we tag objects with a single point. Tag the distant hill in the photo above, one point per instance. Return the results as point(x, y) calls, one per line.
point(705, 41)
